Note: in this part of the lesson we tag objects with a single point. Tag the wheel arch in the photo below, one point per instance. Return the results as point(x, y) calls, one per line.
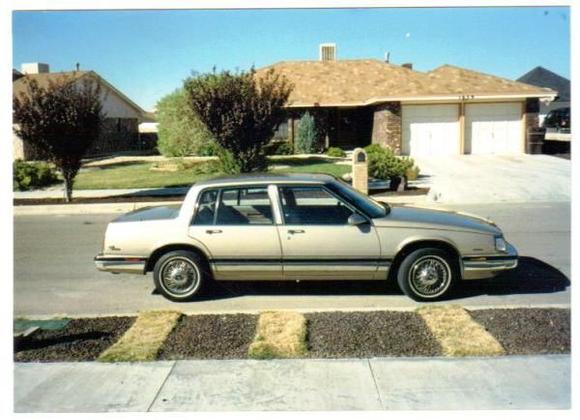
point(159, 252)
point(413, 245)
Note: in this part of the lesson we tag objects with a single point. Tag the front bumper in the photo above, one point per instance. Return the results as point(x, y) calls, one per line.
point(478, 267)
point(120, 264)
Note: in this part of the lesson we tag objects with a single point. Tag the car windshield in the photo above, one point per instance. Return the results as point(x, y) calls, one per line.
point(367, 205)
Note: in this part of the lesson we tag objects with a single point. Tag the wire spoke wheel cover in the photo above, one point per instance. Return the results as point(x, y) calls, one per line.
point(179, 276)
point(429, 276)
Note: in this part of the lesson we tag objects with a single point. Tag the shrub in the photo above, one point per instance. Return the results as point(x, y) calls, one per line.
point(282, 148)
point(335, 152)
point(383, 164)
point(242, 111)
point(27, 175)
point(306, 135)
point(181, 133)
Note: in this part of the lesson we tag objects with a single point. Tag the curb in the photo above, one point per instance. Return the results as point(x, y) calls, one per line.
point(44, 317)
point(91, 208)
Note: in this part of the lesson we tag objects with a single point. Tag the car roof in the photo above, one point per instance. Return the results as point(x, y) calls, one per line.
point(266, 178)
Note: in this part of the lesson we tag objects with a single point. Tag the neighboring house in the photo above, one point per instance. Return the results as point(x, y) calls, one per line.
point(545, 78)
point(446, 111)
point(120, 132)
point(148, 131)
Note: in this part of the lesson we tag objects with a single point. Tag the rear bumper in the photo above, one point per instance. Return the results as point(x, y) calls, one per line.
point(120, 264)
point(487, 266)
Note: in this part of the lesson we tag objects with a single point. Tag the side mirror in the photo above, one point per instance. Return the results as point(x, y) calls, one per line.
point(356, 219)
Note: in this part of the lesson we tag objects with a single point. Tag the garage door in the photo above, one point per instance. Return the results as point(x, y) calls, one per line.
point(493, 128)
point(430, 130)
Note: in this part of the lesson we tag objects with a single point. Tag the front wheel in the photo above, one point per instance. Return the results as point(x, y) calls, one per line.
point(180, 275)
point(427, 274)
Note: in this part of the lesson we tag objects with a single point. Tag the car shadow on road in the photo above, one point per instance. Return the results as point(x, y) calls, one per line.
point(531, 276)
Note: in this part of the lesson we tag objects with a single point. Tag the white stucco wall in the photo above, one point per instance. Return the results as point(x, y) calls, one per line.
point(115, 106)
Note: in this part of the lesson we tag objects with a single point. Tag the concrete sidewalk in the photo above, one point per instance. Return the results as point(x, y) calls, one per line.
point(514, 382)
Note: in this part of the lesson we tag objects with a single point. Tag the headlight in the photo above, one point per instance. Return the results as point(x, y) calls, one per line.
point(500, 244)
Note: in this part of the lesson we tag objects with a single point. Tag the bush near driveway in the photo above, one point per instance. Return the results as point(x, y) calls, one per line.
point(384, 164)
point(31, 175)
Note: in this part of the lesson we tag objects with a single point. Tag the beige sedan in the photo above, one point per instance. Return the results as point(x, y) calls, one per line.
point(301, 227)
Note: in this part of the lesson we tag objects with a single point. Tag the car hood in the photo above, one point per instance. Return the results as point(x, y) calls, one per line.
point(427, 218)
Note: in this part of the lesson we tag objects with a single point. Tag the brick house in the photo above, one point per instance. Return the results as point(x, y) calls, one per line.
point(446, 111)
point(123, 116)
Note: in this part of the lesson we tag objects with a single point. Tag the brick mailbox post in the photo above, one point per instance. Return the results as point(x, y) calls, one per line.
point(360, 171)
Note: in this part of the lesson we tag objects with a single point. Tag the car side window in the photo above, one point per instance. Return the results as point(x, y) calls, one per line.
point(312, 206)
point(206, 208)
point(244, 206)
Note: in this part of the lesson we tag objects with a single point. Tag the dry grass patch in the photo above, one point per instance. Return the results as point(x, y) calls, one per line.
point(457, 333)
point(144, 339)
point(279, 335)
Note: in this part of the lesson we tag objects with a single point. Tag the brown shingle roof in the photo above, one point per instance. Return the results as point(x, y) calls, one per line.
point(362, 82)
point(44, 79)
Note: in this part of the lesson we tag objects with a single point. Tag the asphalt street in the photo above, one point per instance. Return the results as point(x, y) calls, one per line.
point(54, 272)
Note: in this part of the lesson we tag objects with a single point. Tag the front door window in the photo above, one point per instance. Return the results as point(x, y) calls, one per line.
point(312, 206)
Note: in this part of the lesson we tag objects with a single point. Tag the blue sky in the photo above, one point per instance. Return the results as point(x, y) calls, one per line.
point(147, 54)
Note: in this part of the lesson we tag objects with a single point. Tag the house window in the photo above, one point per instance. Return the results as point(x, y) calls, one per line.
point(281, 132)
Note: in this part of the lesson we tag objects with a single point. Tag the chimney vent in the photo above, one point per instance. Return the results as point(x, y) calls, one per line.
point(408, 66)
point(388, 57)
point(327, 52)
point(34, 68)
point(78, 66)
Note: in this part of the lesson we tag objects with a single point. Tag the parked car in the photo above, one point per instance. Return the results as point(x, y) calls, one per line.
point(558, 120)
point(301, 227)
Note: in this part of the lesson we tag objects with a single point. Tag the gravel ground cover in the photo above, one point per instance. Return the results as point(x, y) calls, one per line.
point(210, 337)
point(81, 340)
point(369, 334)
point(528, 330)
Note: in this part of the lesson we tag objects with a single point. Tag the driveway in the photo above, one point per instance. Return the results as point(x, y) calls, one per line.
point(495, 179)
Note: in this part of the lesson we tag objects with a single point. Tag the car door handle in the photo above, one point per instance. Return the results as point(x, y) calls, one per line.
point(212, 231)
point(294, 231)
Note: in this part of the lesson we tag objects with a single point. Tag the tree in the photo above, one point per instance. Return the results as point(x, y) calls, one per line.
point(62, 120)
point(181, 133)
point(241, 110)
point(306, 138)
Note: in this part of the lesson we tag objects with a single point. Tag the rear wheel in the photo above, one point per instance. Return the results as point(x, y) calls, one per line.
point(427, 274)
point(180, 275)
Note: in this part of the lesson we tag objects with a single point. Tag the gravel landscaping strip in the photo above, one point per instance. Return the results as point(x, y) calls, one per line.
point(369, 334)
point(210, 337)
point(528, 330)
point(81, 340)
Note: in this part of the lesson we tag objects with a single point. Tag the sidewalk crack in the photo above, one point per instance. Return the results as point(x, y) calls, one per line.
point(161, 387)
point(376, 385)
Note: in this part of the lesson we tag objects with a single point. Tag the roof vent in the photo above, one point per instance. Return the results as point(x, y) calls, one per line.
point(34, 68)
point(408, 66)
point(327, 52)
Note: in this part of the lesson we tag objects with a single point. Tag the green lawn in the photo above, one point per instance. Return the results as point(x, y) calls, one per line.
point(139, 175)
